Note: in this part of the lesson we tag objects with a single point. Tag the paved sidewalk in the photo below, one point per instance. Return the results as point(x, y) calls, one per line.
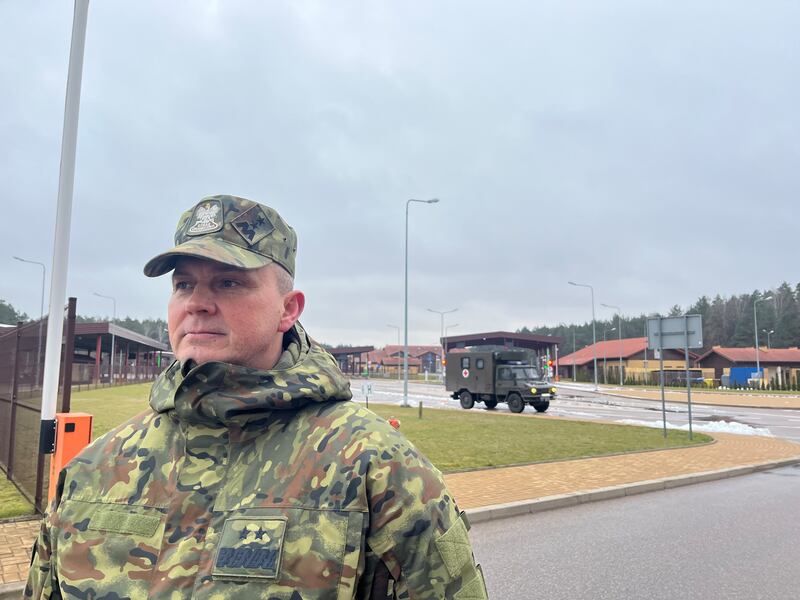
point(515, 487)
point(741, 399)
point(488, 487)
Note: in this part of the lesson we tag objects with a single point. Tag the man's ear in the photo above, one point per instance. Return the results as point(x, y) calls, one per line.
point(293, 304)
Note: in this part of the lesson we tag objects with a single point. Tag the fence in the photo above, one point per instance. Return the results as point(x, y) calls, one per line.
point(22, 352)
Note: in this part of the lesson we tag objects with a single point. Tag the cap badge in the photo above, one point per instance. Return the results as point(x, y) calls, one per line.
point(206, 218)
point(253, 225)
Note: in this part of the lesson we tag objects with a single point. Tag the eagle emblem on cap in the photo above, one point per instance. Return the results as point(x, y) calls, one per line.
point(205, 219)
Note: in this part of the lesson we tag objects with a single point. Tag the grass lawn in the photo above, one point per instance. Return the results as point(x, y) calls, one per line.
point(12, 503)
point(456, 440)
point(452, 439)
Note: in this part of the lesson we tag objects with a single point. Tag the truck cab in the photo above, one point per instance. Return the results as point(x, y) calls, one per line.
point(497, 376)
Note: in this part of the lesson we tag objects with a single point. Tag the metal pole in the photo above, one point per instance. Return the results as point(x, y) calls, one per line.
point(594, 330)
point(619, 330)
point(442, 313)
point(646, 379)
point(594, 340)
point(574, 379)
point(405, 306)
point(755, 319)
point(688, 382)
point(66, 182)
point(661, 372)
point(398, 343)
point(405, 318)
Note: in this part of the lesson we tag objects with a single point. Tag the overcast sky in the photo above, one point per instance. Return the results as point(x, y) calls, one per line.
point(651, 149)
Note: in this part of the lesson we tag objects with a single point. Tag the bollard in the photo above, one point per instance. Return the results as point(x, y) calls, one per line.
point(73, 434)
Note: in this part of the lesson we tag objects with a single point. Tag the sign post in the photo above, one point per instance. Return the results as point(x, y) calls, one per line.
point(366, 389)
point(675, 333)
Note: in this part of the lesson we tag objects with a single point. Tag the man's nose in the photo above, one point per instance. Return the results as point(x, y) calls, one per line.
point(201, 300)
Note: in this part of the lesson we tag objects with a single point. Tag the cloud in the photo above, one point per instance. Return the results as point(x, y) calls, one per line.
point(649, 149)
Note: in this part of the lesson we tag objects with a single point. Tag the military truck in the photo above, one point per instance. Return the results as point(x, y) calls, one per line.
point(497, 376)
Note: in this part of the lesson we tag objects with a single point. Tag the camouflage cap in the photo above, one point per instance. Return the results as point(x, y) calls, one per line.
point(231, 230)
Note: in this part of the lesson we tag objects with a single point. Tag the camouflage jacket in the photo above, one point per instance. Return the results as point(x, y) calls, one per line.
point(251, 484)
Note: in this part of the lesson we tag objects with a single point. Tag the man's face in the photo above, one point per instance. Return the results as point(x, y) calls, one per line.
point(221, 313)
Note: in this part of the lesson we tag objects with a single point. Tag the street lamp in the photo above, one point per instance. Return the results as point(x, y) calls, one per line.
point(41, 316)
point(769, 333)
point(594, 333)
point(573, 355)
point(442, 313)
point(405, 304)
point(755, 319)
point(113, 320)
point(398, 343)
point(604, 351)
point(619, 328)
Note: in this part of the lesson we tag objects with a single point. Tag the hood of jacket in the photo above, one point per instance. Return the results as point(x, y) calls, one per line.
point(222, 394)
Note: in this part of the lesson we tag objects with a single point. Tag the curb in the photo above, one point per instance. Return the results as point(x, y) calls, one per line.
point(524, 507)
point(9, 591)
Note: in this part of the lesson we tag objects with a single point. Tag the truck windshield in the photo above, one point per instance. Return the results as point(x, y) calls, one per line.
point(517, 373)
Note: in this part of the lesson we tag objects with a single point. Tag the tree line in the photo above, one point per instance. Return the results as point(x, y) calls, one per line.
point(727, 321)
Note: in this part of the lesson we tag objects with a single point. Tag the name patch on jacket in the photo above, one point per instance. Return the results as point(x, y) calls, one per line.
point(250, 548)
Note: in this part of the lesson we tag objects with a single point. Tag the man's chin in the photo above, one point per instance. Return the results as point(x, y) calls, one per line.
point(201, 356)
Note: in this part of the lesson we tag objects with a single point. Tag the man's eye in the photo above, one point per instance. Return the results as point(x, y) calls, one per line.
point(229, 283)
point(181, 285)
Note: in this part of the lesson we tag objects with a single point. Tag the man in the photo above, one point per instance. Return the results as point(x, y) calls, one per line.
point(251, 476)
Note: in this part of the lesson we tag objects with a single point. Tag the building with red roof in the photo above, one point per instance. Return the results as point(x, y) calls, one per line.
point(778, 363)
point(629, 353)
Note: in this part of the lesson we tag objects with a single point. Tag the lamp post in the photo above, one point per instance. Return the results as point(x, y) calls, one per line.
point(398, 343)
point(619, 329)
point(41, 316)
point(604, 351)
point(405, 304)
point(594, 332)
point(755, 319)
point(573, 355)
point(442, 313)
point(113, 320)
point(769, 333)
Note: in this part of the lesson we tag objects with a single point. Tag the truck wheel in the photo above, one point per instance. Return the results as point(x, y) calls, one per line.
point(542, 406)
point(466, 400)
point(515, 403)
point(490, 404)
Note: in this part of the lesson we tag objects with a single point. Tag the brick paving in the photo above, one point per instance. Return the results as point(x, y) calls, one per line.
point(497, 486)
point(15, 549)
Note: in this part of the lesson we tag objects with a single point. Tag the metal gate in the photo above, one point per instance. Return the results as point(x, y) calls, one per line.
point(22, 353)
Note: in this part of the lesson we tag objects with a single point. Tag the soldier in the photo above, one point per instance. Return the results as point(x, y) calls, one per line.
point(251, 476)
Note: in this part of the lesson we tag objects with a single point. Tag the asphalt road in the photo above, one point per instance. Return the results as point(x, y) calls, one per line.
point(580, 402)
point(728, 539)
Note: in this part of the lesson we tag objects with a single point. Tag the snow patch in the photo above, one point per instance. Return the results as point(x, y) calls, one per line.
point(712, 427)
